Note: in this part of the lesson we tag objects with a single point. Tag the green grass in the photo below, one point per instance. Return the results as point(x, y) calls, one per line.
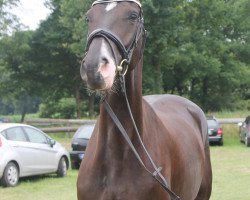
point(17, 118)
point(43, 188)
point(230, 163)
point(230, 114)
point(231, 135)
point(231, 172)
point(231, 167)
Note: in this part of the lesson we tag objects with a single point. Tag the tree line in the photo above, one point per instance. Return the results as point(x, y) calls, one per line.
point(195, 48)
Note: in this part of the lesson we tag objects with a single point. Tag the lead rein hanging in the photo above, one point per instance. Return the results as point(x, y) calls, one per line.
point(156, 174)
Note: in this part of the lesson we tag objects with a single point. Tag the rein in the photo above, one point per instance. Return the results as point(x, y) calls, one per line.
point(157, 173)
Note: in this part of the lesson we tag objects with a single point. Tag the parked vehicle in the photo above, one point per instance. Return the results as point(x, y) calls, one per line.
point(79, 144)
point(244, 129)
point(215, 132)
point(27, 151)
point(3, 120)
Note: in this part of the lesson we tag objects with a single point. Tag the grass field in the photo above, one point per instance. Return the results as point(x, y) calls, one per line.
point(231, 175)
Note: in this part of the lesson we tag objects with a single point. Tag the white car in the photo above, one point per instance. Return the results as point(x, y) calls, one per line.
point(27, 151)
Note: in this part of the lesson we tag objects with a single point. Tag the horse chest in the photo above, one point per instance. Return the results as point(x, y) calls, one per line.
point(119, 187)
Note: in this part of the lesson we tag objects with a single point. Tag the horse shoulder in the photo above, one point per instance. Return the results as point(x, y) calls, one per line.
point(178, 111)
point(183, 132)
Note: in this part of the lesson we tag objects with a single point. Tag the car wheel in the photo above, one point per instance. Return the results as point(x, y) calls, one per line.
point(62, 168)
point(221, 143)
point(75, 165)
point(247, 142)
point(10, 175)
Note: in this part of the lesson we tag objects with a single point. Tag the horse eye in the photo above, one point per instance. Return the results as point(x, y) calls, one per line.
point(86, 19)
point(133, 16)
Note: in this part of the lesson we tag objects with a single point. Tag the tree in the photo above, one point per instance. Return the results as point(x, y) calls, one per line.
point(197, 49)
point(76, 9)
point(8, 21)
point(189, 51)
point(58, 53)
point(15, 81)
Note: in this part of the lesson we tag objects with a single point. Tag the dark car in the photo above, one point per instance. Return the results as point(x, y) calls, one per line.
point(215, 132)
point(79, 144)
point(245, 131)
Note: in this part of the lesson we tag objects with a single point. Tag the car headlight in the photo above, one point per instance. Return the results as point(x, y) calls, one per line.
point(81, 156)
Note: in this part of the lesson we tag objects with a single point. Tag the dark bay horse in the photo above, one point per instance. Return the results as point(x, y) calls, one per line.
point(172, 128)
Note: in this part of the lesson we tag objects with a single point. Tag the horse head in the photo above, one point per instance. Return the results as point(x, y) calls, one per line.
point(116, 35)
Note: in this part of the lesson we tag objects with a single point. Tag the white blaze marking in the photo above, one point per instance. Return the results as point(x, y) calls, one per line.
point(110, 6)
point(107, 70)
point(104, 50)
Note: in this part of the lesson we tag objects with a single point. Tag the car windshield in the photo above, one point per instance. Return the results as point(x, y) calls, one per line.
point(85, 132)
point(247, 121)
point(211, 123)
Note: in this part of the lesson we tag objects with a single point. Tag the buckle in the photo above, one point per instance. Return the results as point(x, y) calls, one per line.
point(123, 67)
point(157, 171)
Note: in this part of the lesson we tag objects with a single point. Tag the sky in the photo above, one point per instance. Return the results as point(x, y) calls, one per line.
point(31, 12)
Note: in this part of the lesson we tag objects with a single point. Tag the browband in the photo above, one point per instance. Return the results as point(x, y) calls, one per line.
point(111, 1)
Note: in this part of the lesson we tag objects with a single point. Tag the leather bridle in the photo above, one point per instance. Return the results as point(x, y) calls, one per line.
point(126, 54)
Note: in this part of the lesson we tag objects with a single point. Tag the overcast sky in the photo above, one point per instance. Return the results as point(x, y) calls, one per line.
point(31, 12)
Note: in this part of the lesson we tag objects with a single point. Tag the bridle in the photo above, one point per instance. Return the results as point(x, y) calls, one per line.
point(126, 54)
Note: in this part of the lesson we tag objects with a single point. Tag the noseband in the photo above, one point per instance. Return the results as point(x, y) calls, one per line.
point(126, 53)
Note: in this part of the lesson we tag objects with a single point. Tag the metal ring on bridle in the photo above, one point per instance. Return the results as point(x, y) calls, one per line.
point(123, 67)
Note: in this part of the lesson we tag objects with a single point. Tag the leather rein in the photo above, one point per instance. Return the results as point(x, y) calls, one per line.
point(121, 71)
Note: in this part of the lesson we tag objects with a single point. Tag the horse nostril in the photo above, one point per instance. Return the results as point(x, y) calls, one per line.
point(104, 60)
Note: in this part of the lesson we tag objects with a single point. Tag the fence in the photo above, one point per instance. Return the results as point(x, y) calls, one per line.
point(58, 125)
point(230, 120)
point(71, 125)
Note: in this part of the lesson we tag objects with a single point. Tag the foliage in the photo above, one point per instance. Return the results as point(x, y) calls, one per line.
point(57, 53)
point(6, 109)
point(192, 51)
point(244, 105)
point(8, 21)
point(15, 84)
point(196, 49)
point(73, 18)
point(65, 108)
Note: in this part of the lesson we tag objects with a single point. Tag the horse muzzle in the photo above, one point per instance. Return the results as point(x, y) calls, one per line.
point(98, 76)
point(93, 79)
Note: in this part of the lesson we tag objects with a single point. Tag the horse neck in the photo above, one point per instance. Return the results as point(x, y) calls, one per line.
point(110, 133)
